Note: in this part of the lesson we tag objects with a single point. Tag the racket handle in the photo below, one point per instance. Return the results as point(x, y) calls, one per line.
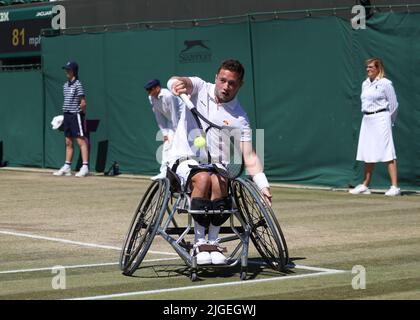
point(187, 101)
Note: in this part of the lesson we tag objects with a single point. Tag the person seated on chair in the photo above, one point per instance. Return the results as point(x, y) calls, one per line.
point(218, 103)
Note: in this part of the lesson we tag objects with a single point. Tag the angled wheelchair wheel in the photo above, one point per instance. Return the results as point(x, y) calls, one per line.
point(266, 233)
point(144, 225)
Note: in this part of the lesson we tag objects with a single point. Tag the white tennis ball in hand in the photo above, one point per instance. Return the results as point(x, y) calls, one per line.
point(199, 142)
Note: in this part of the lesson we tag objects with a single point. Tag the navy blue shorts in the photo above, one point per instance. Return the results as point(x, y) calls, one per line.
point(74, 125)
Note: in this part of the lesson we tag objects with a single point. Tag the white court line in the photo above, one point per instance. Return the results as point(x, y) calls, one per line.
point(78, 266)
point(85, 244)
point(213, 285)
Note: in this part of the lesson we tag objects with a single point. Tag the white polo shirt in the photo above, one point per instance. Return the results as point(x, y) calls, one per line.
point(203, 97)
point(379, 94)
point(167, 109)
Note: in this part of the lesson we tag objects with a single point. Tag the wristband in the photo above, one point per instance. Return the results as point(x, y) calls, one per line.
point(261, 181)
point(171, 83)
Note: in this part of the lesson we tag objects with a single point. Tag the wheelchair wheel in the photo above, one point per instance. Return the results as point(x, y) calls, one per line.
point(266, 233)
point(144, 225)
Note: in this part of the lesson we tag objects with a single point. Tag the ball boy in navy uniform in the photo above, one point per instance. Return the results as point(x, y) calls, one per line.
point(74, 108)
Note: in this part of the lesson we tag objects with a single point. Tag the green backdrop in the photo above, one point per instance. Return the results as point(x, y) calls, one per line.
point(21, 118)
point(302, 86)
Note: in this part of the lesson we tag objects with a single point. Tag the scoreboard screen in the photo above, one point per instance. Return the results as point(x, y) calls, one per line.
point(20, 30)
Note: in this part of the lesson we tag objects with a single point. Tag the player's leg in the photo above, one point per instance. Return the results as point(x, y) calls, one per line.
point(65, 170)
point(392, 170)
point(220, 201)
point(367, 177)
point(368, 173)
point(79, 132)
point(200, 200)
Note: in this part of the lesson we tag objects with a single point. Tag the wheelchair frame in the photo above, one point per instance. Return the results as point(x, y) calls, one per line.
point(159, 194)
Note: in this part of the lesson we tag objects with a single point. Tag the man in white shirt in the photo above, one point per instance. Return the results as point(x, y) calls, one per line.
point(167, 109)
point(218, 103)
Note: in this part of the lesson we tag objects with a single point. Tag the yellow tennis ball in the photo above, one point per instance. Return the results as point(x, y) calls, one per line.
point(199, 142)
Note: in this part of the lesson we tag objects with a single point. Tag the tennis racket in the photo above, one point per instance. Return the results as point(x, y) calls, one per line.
point(222, 144)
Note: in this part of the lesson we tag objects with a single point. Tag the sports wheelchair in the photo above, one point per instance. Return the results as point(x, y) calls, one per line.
point(250, 218)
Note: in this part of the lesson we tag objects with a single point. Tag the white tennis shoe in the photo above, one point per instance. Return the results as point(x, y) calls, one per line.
point(203, 257)
point(393, 191)
point(84, 172)
point(158, 176)
point(64, 171)
point(216, 256)
point(360, 189)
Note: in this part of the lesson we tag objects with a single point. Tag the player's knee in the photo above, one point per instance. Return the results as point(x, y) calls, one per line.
point(69, 143)
point(201, 180)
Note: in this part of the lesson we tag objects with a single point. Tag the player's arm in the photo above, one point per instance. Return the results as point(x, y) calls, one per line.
point(83, 104)
point(179, 85)
point(255, 169)
point(162, 124)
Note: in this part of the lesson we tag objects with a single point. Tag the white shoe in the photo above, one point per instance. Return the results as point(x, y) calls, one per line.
point(393, 191)
point(216, 256)
point(84, 171)
point(63, 172)
point(360, 189)
point(159, 176)
point(203, 257)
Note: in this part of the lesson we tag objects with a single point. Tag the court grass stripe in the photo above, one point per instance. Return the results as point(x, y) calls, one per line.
point(79, 266)
point(213, 285)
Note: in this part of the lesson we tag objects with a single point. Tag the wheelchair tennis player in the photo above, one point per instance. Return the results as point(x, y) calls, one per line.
point(209, 191)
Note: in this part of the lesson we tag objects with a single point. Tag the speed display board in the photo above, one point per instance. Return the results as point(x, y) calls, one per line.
point(20, 30)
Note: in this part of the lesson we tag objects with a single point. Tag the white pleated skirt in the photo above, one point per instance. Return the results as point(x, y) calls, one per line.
point(375, 140)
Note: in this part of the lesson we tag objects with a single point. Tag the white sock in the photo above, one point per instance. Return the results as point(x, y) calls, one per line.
point(213, 232)
point(200, 232)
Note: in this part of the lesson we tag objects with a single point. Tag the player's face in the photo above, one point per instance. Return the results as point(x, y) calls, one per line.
point(372, 71)
point(69, 74)
point(154, 92)
point(228, 84)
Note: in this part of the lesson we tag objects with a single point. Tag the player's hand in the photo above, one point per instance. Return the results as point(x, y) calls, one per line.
point(165, 139)
point(267, 195)
point(179, 87)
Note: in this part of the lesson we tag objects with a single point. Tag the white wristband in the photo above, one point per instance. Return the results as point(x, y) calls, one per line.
point(171, 83)
point(261, 181)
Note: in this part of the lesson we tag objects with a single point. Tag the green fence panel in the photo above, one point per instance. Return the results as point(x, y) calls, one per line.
point(21, 118)
point(303, 89)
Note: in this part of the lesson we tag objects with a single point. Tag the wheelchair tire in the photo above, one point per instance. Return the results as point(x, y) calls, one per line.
point(266, 233)
point(144, 225)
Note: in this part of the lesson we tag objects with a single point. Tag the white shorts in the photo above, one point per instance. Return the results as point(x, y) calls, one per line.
point(183, 170)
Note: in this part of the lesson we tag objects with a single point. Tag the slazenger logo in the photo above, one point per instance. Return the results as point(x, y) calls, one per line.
point(195, 51)
point(4, 16)
point(43, 13)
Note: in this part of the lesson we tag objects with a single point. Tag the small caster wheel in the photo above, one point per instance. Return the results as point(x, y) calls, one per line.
point(243, 275)
point(193, 276)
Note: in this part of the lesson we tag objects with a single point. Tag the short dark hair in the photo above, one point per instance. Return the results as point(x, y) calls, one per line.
point(234, 66)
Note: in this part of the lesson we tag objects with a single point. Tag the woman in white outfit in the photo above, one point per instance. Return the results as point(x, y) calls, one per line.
point(379, 106)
